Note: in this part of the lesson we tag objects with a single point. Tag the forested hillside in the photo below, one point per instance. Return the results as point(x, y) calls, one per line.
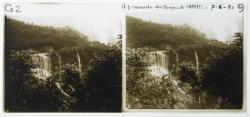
point(65, 41)
point(20, 35)
point(157, 35)
point(181, 38)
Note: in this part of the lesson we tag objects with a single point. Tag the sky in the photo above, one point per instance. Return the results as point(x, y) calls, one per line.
point(218, 24)
point(100, 22)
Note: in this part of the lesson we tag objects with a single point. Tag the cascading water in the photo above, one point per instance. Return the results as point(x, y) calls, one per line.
point(79, 62)
point(158, 63)
point(159, 68)
point(43, 62)
point(197, 62)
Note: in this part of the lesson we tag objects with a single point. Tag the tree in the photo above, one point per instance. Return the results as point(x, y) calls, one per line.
point(103, 83)
point(72, 75)
point(187, 73)
point(74, 85)
point(17, 71)
point(224, 74)
point(135, 68)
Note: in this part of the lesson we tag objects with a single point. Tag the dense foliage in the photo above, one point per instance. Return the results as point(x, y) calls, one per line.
point(24, 92)
point(104, 79)
point(224, 74)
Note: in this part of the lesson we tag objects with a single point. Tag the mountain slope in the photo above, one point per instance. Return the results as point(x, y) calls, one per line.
point(183, 39)
point(20, 35)
point(63, 40)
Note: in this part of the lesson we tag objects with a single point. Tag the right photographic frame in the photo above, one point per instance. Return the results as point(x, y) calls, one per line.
point(185, 56)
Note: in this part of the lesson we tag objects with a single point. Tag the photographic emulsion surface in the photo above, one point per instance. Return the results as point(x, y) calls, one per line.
point(186, 59)
point(61, 58)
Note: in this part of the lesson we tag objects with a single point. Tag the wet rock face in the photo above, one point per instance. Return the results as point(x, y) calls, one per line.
point(43, 65)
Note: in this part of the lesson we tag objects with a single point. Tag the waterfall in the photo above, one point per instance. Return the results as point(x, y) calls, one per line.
point(79, 62)
point(158, 63)
point(43, 62)
point(197, 62)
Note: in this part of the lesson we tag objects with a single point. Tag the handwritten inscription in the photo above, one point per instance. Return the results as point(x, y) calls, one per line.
point(211, 7)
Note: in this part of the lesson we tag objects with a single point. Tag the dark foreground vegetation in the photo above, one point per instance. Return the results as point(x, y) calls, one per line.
point(213, 82)
point(96, 86)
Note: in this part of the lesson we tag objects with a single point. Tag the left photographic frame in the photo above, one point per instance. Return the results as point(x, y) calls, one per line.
point(62, 57)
